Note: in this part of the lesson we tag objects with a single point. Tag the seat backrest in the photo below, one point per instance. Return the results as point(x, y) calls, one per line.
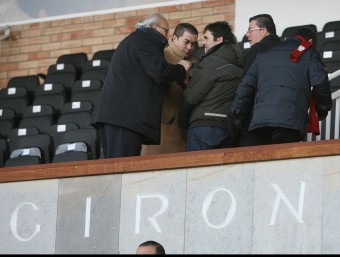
point(332, 25)
point(84, 85)
point(13, 92)
point(17, 133)
point(50, 89)
point(58, 130)
point(29, 82)
point(82, 118)
point(38, 110)
point(98, 74)
point(61, 68)
point(89, 136)
point(42, 141)
point(324, 37)
point(3, 151)
point(65, 78)
point(77, 106)
point(288, 32)
point(6, 125)
point(7, 114)
point(56, 101)
point(42, 122)
point(103, 55)
point(86, 96)
point(96, 65)
point(77, 59)
point(18, 105)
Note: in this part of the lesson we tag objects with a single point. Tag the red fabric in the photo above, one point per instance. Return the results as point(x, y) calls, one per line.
point(296, 54)
point(313, 119)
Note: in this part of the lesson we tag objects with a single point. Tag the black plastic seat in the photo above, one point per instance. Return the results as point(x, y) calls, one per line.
point(77, 59)
point(58, 130)
point(64, 78)
point(29, 82)
point(24, 156)
point(41, 141)
point(288, 32)
point(3, 151)
point(103, 55)
point(17, 133)
point(6, 126)
point(71, 142)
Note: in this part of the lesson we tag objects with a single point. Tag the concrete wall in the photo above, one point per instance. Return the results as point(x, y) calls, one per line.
point(281, 206)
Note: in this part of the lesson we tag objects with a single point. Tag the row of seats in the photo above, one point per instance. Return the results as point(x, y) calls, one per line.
point(50, 121)
point(19, 99)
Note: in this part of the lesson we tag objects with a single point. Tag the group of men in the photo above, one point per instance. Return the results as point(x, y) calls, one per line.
point(158, 99)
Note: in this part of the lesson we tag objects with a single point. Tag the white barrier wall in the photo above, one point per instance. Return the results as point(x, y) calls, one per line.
point(283, 206)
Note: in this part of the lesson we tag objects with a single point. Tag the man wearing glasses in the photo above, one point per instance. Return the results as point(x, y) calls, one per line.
point(261, 35)
point(128, 111)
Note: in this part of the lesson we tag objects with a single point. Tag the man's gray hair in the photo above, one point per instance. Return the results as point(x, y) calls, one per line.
point(149, 21)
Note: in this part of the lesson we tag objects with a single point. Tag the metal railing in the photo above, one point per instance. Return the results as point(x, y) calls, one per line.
point(329, 128)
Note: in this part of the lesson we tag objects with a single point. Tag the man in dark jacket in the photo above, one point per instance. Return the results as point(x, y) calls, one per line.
point(279, 84)
point(128, 112)
point(211, 90)
point(261, 35)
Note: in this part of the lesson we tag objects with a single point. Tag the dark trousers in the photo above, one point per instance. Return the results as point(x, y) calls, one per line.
point(246, 138)
point(119, 141)
point(269, 135)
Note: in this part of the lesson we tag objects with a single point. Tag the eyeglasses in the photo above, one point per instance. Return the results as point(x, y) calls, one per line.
point(250, 30)
point(166, 30)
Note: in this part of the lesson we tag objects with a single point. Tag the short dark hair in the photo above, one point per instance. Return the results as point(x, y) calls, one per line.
point(158, 247)
point(307, 34)
point(182, 27)
point(265, 21)
point(221, 29)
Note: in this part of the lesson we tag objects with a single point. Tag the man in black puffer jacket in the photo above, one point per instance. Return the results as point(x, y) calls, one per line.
point(279, 83)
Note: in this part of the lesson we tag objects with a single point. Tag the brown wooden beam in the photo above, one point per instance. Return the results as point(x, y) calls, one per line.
point(171, 161)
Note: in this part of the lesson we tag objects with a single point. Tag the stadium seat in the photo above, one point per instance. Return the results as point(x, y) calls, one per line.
point(58, 130)
point(3, 151)
point(77, 59)
point(103, 55)
point(288, 32)
point(95, 69)
point(70, 143)
point(17, 133)
point(29, 82)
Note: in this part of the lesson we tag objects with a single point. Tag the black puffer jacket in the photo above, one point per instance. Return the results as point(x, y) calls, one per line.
point(282, 88)
point(212, 88)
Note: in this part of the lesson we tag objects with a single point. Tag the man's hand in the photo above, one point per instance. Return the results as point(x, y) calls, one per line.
point(185, 64)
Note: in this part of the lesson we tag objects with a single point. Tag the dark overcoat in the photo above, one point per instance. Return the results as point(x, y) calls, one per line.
point(133, 90)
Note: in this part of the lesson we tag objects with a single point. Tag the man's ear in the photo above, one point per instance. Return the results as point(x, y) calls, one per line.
point(219, 39)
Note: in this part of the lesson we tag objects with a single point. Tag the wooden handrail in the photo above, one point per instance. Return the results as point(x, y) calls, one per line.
point(171, 161)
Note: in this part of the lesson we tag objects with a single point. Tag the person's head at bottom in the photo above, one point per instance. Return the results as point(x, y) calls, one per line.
point(150, 247)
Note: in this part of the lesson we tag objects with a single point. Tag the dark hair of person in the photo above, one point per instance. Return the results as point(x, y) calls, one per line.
point(265, 21)
point(307, 34)
point(158, 247)
point(182, 27)
point(221, 29)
